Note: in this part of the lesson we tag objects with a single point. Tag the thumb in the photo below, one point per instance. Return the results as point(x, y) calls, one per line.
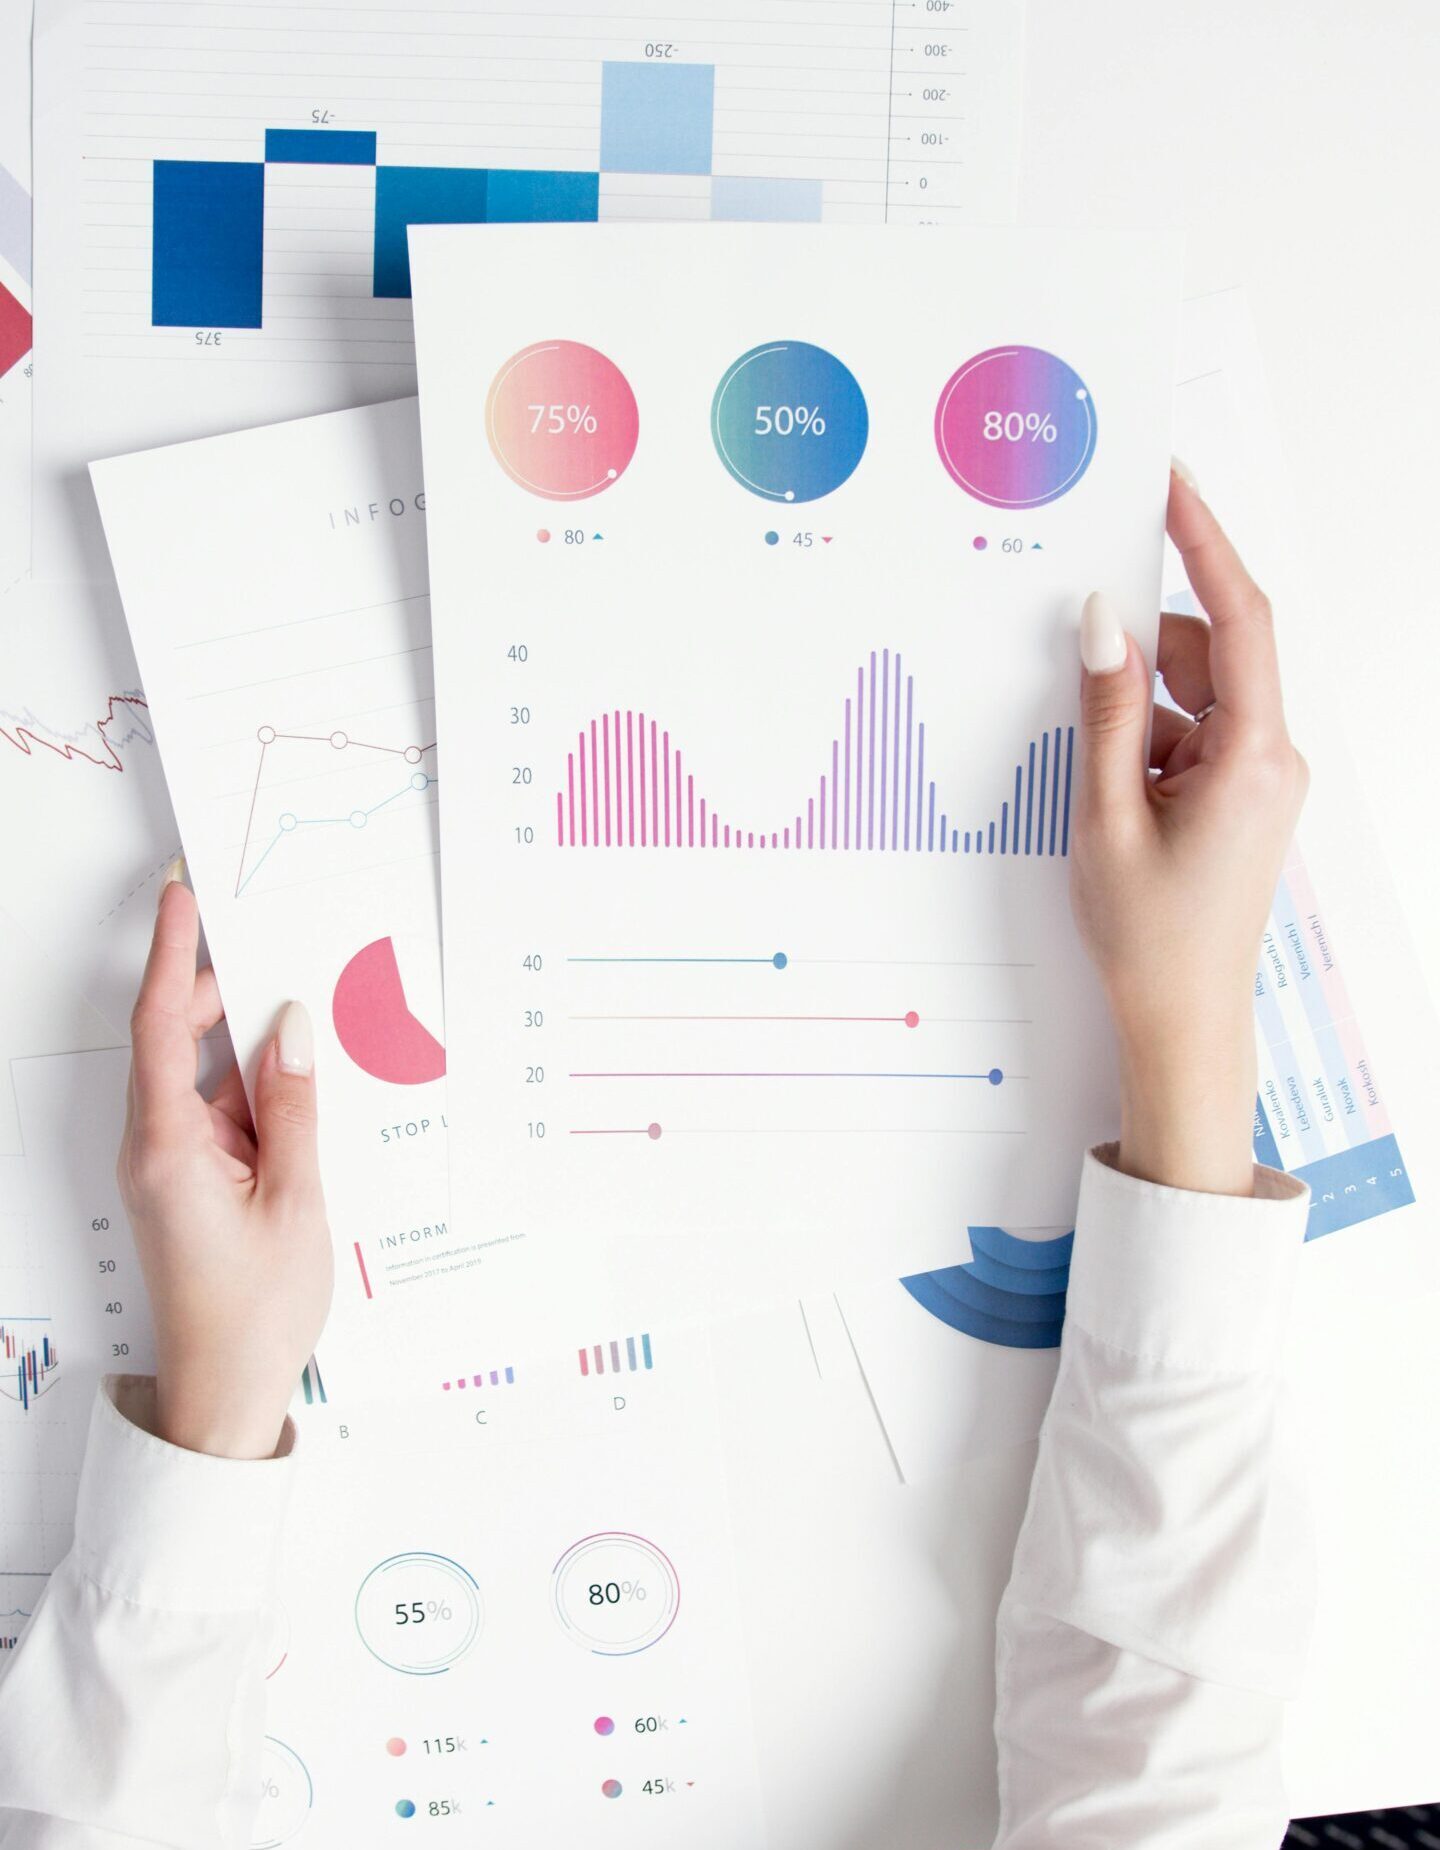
point(1115, 705)
point(285, 1112)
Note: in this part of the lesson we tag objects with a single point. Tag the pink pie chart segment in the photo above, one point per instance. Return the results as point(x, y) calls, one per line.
point(374, 1023)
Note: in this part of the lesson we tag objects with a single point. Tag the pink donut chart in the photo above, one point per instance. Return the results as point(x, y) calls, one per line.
point(1015, 427)
point(561, 420)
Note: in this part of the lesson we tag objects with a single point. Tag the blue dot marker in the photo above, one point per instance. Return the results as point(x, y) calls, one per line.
point(995, 1075)
point(405, 1808)
point(779, 960)
point(772, 538)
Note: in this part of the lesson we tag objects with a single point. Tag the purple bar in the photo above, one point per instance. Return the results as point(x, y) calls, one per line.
point(810, 823)
point(642, 780)
point(1029, 795)
point(599, 1360)
point(942, 832)
point(895, 768)
point(822, 812)
point(870, 765)
point(654, 788)
point(955, 841)
point(847, 773)
point(909, 742)
point(930, 839)
point(990, 844)
point(615, 1355)
point(605, 740)
point(859, 752)
point(494, 1377)
point(884, 734)
point(1068, 761)
point(584, 806)
point(920, 784)
point(834, 793)
point(1004, 827)
point(1044, 766)
point(667, 789)
point(630, 774)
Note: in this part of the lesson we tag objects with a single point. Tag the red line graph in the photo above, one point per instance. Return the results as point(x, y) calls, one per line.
point(25, 738)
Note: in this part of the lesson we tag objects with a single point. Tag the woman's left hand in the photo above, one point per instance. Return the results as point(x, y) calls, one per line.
point(227, 1211)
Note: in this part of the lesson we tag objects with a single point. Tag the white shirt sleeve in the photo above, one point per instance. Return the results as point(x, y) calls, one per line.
point(1160, 1600)
point(131, 1711)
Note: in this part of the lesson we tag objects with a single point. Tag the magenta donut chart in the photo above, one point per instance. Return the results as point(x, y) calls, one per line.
point(1015, 427)
point(561, 420)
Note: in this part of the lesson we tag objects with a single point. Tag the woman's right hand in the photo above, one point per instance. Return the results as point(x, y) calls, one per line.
point(1174, 874)
point(227, 1211)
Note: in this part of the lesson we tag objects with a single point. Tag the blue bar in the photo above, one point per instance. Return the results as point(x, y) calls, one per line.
point(764, 202)
point(320, 147)
point(657, 118)
point(1030, 798)
point(509, 1374)
point(1069, 764)
point(1355, 1185)
point(519, 196)
point(645, 1351)
point(207, 258)
point(630, 1353)
point(406, 196)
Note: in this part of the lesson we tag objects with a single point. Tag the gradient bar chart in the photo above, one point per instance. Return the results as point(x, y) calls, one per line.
point(207, 260)
point(621, 1355)
point(627, 785)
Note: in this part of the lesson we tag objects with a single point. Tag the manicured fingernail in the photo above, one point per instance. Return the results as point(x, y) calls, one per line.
point(295, 1040)
point(175, 871)
point(1102, 635)
point(1185, 472)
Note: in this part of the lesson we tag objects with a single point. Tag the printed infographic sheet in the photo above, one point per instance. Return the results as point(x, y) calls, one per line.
point(228, 186)
point(757, 680)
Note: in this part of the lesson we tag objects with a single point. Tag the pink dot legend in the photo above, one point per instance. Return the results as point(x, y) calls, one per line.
point(979, 542)
point(604, 1725)
point(543, 535)
point(395, 1746)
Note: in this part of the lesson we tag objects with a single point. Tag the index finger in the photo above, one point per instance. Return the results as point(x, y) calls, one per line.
point(162, 1038)
point(1244, 666)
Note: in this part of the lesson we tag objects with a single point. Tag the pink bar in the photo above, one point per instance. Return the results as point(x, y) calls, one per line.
point(584, 1363)
point(679, 792)
point(834, 793)
point(605, 737)
point(667, 789)
point(810, 823)
point(787, 838)
point(584, 805)
point(774, 843)
point(630, 774)
point(714, 831)
point(727, 834)
point(690, 814)
point(570, 772)
point(560, 818)
point(642, 780)
point(594, 787)
point(599, 1360)
point(654, 792)
point(847, 773)
point(750, 840)
point(822, 812)
point(702, 822)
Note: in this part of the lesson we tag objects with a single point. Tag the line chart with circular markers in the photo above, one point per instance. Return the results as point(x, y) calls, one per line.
point(419, 1613)
point(615, 1594)
point(789, 421)
point(562, 420)
point(1015, 427)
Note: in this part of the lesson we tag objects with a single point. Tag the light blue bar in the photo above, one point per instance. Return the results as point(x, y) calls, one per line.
point(764, 202)
point(657, 118)
point(645, 1351)
point(630, 1353)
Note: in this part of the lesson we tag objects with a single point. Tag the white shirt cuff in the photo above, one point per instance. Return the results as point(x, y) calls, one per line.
point(174, 1530)
point(1189, 1280)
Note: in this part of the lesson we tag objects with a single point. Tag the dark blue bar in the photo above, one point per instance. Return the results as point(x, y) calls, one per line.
point(521, 196)
point(320, 147)
point(207, 262)
point(406, 196)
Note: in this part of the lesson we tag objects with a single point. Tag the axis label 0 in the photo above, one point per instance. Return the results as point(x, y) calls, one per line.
point(374, 1023)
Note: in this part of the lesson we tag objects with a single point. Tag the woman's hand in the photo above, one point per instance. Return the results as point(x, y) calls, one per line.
point(228, 1213)
point(1173, 875)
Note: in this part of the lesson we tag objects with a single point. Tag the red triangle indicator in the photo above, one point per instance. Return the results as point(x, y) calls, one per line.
point(827, 537)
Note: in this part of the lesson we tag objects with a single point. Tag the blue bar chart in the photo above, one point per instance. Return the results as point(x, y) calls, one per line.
point(207, 264)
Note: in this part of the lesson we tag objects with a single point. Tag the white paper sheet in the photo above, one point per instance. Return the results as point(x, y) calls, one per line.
point(680, 114)
point(16, 369)
point(800, 1063)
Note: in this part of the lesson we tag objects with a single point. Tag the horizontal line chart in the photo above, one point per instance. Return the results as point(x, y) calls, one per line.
point(626, 785)
point(392, 773)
